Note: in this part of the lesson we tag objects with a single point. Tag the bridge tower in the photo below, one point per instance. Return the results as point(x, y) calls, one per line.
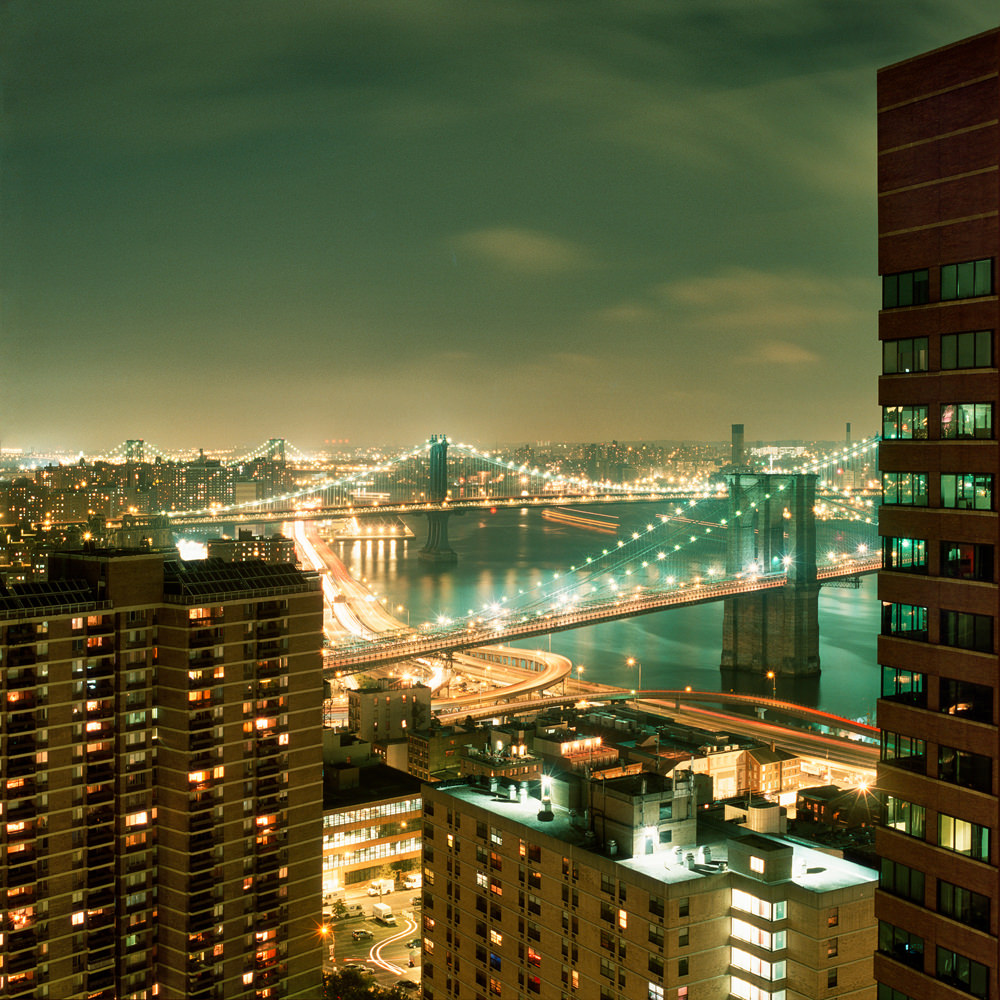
point(437, 549)
point(135, 449)
point(276, 450)
point(777, 629)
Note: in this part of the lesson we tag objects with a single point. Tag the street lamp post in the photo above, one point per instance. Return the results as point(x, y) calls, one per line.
point(633, 662)
point(772, 677)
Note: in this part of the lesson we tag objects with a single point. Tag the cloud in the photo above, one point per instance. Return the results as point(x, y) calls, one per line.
point(525, 250)
point(764, 303)
point(777, 352)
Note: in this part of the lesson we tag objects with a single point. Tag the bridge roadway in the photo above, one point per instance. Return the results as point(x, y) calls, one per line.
point(208, 517)
point(401, 647)
point(836, 748)
point(237, 515)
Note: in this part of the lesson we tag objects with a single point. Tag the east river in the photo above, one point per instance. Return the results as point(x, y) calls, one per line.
point(507, 551)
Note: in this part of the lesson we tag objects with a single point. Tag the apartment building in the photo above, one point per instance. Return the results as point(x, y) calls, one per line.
point(630, 894)
point(938, 200)
point(160, 780)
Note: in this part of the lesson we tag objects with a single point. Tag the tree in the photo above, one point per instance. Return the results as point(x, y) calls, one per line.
point(356, 984)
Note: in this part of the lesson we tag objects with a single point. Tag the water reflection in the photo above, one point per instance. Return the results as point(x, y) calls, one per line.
point(510, 551)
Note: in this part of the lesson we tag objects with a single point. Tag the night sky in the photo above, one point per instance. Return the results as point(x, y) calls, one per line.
point(505, 220)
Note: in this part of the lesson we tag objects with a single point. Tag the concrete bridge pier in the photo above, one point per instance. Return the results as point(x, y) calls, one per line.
point(437, 549)
point(778, 629)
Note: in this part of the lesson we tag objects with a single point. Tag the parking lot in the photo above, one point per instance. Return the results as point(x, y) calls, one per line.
point(386, 951)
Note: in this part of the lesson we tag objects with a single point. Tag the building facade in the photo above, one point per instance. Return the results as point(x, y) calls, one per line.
point(938, 199)
point(160, 780)
point(634, 897)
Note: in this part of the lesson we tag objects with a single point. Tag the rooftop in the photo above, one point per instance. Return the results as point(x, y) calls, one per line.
point(813, 870)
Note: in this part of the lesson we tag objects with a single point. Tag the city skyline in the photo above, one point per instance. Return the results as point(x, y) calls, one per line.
point(496, 222)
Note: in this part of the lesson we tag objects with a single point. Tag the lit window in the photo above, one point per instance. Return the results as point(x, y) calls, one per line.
point(756, 864)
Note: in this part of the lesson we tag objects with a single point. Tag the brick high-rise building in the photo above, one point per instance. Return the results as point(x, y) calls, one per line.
point(630, 895)
point(939, 239)
point(160, 780)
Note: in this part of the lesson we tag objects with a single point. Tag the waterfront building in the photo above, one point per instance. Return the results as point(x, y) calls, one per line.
point(247, 545)
point(160, 780)
point(938, 199)
point(635, 895)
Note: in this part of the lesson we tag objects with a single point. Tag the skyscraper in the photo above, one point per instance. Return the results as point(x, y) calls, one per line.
point(160, 780)
point(938, 198)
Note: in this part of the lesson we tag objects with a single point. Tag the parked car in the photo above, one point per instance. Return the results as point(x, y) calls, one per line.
point(362, 935)
point(406, 984)
point(415, 943)
point(417, 902)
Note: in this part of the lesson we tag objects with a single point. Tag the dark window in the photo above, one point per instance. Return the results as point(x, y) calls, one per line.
point(967, 491)
point(967, 350)
point(901, 880)
point(904, 356)
point(904, 751)
point(967, 561)
point(964, 421)
point(908, 621)
point(962, 973)
point(909, 288)
point(891, 993)
point(682, 967)
point(964, 905)
point(908, 555)
point(966, 280)
point(831, 978)
point(967, 631)
point(906, 423)
point(901, 944)
point(908, 686)
point(907, 489)
point(967, 700)
point(960, 767)
point(683, 907)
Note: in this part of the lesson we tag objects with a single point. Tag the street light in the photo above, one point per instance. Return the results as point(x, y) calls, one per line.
point(772, 677)
point(633, 662)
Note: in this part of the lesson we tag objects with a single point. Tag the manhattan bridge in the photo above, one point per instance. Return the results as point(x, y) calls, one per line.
point(762, 541)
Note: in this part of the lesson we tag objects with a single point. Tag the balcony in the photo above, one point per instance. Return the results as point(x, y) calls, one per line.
point(21, 702)
point(199, 661)
point(18, 745)
point(19, 679)
point(271, 630)
point(98, 899)
point(102, 668)
point(19, 940)
point(204, 637)
point(21, 963)
point(200, 922)
point(19, 634)
point(20, 767)
point(99, 793)
point(201, 740)
point(21, 985)
point(21, 874)
point(199, 721)
point(103, 627)
point(99, 856)
point(22, 809)
point(271, 609)
point(269, 668)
